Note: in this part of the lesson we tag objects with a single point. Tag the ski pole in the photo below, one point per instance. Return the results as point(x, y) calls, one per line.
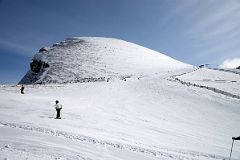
point(231, 150)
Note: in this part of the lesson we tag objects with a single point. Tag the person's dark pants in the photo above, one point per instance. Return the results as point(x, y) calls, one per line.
point(58, 113)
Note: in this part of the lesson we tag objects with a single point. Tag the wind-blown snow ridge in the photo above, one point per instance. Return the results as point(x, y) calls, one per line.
point(174, 154)
point(177, 78)
point(236, 71)
point(82, 59)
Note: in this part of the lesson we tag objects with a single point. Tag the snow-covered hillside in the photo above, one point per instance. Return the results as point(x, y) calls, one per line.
point(133, 104)
point(154, 117)
point(95, 59)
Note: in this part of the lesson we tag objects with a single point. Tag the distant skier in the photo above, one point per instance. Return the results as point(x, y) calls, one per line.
point(236, 138)
point(58, 108)
point(22, 89)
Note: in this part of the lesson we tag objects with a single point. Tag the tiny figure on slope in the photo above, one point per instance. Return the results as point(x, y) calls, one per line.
point(22, 89)
point(58, 108)
point(236, 138)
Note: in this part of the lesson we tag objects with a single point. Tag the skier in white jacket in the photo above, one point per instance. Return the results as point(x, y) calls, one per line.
point(58, 108)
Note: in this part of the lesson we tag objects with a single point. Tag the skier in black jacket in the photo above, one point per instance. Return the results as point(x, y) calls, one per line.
point(22, 89)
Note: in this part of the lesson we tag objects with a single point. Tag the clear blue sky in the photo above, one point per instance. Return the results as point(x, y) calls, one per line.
point(192, 31)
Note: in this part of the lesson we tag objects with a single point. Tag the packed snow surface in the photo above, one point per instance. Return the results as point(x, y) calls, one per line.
point(154, 117)
point(95, 58)
point(127, 103)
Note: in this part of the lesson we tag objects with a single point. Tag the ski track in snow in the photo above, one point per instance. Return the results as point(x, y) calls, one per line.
point(219, 91)
point(166, 153)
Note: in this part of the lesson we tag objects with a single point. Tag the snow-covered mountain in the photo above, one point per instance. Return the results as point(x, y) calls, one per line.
point(165, 110)
point(95, 59)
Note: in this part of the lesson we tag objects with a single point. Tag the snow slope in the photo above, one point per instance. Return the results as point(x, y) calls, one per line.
point(96, 59)
point(132, 104)
point(151, 118)
point(223, 80)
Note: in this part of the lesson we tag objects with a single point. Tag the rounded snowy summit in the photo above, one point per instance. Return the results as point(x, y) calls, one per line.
point(81, 59)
